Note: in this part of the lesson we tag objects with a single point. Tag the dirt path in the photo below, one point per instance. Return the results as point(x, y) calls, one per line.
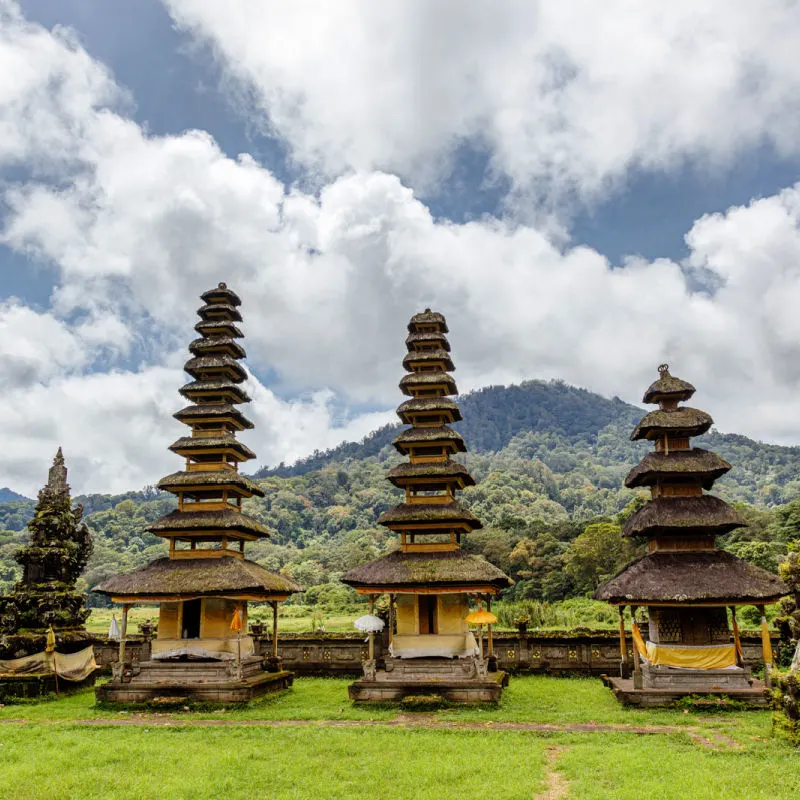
point(703, 737)
point(557, 784)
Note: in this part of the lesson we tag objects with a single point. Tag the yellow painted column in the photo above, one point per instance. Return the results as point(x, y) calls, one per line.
point(637, 665)
point(391, 617)
point(737, 642)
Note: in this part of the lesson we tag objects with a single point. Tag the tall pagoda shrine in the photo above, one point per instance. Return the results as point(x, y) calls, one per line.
point(205, 583)
point(684, 580)
point(430, 580)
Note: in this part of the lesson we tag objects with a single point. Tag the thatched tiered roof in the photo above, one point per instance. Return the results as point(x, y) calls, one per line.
point(683, 421)
point(224, 520)
point(703, 465)
point(415, 514)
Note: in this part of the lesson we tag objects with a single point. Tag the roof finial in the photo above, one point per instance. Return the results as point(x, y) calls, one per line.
point(663, 370)
point(222, 285)
point(57, 477)
point(427, 311)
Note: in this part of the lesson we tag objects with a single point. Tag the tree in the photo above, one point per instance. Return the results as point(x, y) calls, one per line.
point(595, 555)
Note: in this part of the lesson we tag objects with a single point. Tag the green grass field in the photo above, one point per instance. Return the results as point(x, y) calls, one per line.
point(549, 738)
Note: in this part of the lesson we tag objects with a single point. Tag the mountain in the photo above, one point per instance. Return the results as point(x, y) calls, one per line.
point(8, 495)
point(549, 460)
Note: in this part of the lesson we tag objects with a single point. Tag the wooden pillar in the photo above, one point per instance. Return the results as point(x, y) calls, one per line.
point(274, 628)
point(737, 642)
point(391, 617)
point(123, 632)
point(623, 646)
point(371, 633)
point(489, 640)
point(766, 647)
point(637, 665)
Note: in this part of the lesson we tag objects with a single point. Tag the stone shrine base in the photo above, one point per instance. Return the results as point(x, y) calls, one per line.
point(754, 694)
point(203, 681)
point(455, 680)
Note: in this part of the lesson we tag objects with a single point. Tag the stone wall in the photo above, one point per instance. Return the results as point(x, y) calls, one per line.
point(588, 653)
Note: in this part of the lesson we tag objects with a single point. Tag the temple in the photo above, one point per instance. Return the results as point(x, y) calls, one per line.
point(202, 649)
point(45, 598)
point(430, 580)
point(686, 583)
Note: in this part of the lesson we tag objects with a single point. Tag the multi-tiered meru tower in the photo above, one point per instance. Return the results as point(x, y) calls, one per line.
point(429, 579)
point(203, 586)
point(684, 580)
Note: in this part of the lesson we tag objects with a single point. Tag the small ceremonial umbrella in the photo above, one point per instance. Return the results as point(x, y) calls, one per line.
point(369, 623)
point(113, 629)
point(49, 648)
point(236, 625)
point(480, 618)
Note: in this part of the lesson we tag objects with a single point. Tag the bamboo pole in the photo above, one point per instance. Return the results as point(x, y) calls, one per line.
point(623, 647)
point(737, 642)
point(637, 666)
point(123, 634)
point(766, 647)
point(275, 629)
point(489, 639)
point(391, 617)
point(371, 633)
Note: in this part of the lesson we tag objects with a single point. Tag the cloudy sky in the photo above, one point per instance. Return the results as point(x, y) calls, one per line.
point(584, 189)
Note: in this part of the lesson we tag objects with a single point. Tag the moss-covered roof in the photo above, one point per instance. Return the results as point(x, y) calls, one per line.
point(197, 576)
point(428, 436)
point(691, 576)
point(216, 344)
point(225, 520)
point(682, 516)
point(683, 421)
point(418, 570)
point(429, 512)
point(188, 443)
point(196, 367)
point(219, 311)
point(212, 410)
point(426, 379)
point(211, 478)
point(667, 388)
point(219, 327)
point(421, 356)
point(196, 387)
point(703, 465)
point(428, 317)
point(426, 338)
point(448, 469)
point(428, 405)
point(221, 294)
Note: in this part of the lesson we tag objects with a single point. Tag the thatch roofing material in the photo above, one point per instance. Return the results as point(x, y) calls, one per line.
point(682, 516)
point(428, 437)
point(219, 327)
point(421, 356)
point(428, 317)
point(678, 422)
point(214, 344)
point(668, 388)
point(691, 577)
point(221, 294)
point(197, 576)
point(703, 465)
point(210, 479)
point(418, 570)
point(196, 367)
point(447, 469)
point(215, 310)
point(186, 443)
point(428, 405)
point(225, 520)
point(426, 338)
point(427, 379)
point(221, 386)
point(212, 410)
point(418, 513)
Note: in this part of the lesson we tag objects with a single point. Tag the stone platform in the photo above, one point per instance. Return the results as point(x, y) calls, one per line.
point(455, 680)
point(756, 695)
point(204, 681)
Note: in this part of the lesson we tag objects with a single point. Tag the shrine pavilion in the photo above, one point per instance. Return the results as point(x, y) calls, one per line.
point(203, 586)
point(429, 579)
point(685, 581)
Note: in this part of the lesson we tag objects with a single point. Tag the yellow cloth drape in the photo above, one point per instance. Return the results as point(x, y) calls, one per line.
point(71, 667)
point(766, 643)
point(638, 641)
point(715, 656)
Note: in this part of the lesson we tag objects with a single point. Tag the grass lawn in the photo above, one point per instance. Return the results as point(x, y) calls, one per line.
point(68, 748)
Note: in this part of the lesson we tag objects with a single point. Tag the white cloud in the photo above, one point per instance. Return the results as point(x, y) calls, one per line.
point(137, 226)
point(566, 96)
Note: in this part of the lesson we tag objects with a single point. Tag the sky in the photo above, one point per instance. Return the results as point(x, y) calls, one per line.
point(585, 190)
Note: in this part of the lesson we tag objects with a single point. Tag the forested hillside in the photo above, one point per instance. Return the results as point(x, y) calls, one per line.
point(549, 460)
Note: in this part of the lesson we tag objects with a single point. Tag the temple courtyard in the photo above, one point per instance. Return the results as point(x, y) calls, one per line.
point(548, 738)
